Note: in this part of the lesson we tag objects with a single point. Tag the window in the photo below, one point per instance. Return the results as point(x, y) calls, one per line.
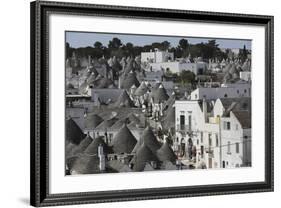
point(217, 140)
point(226, 125)
point(237, 147)
point(228, 148)
point(182, 122)
point(237, 91)
point(201, 137)
point(189, 122)
point(195, 96)
point(225, 95)
point(197, 141)
point(210, 139)
point(236, 126)
point(245, 91)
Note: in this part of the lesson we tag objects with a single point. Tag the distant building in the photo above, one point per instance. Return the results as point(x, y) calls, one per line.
point(156, 56)
point(230, 90)
point(245, 75)
point(164, 61)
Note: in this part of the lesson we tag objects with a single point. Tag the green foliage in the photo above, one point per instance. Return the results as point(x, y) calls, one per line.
point(115, 43)
point(185, 77)
point(116, 48)
point(243, 54)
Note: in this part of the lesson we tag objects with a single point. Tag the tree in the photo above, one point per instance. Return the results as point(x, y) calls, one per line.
point(165, 45)
point(129, 48)
point(243, 54)
point(115, 43)
point(98, 45)
point(156, 45)
point(186, 77)
point(67, 51)
point(183, 44)
point(182, 48)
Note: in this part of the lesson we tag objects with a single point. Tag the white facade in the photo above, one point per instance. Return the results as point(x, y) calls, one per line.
point(156, 56)
point(219, 141)
point(245, 75)
point(164, 60)
point(227, 91)
point(178, 67)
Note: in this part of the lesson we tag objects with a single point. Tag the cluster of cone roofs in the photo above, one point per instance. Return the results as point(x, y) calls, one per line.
point(82, 150)
point(124, 74)
point(103, 73)
point(232, 69)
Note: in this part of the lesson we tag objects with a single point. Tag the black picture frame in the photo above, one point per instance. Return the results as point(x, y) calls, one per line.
point(39, 189)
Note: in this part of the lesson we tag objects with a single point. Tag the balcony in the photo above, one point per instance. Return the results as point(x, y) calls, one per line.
point(183, 128)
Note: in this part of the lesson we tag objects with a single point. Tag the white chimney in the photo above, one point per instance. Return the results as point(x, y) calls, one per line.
point(101, 157)
point(119, 82)
point(102, 163)
point(100, 150)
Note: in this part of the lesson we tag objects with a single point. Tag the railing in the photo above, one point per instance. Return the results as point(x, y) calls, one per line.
point(183, 128)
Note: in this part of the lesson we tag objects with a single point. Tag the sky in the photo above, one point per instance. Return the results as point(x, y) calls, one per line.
point(83, 39)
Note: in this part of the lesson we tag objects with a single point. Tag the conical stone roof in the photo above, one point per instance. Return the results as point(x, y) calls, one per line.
point(171, 101)
point(133, 118)
point(92, 149)
point(86, 164)
point(73, 132)
point(165, 153)
point(124, 141)
point(68, 149)
point(82, 146)
point(160, 95)
point(227, 68)
point(144, 155)
point(103, 83)
point(124, 100)
point(155, 87)
point(92, 121)
point(129, 66)
point(137, 146)
point(141, 90)
point(150, 140)
point(106, 124)
point(169, 120)
point(129, 80)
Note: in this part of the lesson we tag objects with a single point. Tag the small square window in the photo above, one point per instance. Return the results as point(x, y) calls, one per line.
point(226, 125)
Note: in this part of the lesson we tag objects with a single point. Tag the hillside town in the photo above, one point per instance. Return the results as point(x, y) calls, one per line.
point(157, 111)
